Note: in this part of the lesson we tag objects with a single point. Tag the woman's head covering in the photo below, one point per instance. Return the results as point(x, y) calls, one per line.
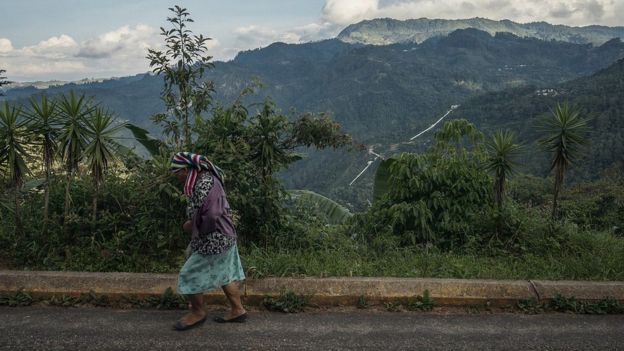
point(196, 163)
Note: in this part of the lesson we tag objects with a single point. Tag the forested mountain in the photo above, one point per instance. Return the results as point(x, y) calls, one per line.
point(385, 31)
point(600, 97)
point(380, 94)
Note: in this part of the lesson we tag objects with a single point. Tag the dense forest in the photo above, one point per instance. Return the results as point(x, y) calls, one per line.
point(598, 96)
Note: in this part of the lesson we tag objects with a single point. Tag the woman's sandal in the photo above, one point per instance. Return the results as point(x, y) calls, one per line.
point(240, 319)
point(179, 326)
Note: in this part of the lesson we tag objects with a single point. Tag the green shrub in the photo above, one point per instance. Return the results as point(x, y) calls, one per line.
point(287, 302)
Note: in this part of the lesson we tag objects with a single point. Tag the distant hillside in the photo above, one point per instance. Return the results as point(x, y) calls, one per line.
point(380, 94)
point(600, 97)
point(390, 31)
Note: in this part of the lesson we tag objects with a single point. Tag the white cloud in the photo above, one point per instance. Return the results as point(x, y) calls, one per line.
point(578, 12)
point(125, 41)
point(119, 52)
point(5, 45)
point(349, 11)
point(52, 48)
point(115, 53)
point(253, 36)
point(256, 36)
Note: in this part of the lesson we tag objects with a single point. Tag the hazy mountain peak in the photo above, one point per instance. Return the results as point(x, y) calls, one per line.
point(385, 31)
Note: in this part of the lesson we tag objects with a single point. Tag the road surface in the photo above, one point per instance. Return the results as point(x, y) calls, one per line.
point(88, 328)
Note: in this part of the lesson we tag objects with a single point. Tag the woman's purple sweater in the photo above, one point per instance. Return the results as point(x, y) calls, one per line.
point(215, 214)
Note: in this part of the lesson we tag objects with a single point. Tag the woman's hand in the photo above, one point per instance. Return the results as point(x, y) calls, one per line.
point(187, 227)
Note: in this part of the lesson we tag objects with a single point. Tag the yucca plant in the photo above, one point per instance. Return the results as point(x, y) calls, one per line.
point(565, 133)
point(102, 148)
point(502, 155)
point(74, 111)
point(13, 137)
point(44, 122)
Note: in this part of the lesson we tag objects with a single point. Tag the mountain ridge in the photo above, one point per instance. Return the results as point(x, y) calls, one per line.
point(386, 31)
point(380, 94)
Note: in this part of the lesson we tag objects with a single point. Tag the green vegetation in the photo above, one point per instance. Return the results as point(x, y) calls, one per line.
point(287, 302)
point(438, 212)
point(570, 304)
point(18, 298)
point(182, 66)
point(565, 134)
point(387, 94)
point(586, 256)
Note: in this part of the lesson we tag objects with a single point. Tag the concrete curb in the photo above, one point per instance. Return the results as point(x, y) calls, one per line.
point(322, 291)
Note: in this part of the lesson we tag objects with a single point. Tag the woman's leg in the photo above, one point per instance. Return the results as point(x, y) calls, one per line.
point(232, 292)
point(196, 309)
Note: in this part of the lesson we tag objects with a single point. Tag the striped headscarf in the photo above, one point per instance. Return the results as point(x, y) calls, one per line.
point(196, 163)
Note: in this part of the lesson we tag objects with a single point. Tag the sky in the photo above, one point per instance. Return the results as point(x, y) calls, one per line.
point(76, 39)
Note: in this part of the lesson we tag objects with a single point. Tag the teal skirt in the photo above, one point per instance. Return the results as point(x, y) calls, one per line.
point(202, 273)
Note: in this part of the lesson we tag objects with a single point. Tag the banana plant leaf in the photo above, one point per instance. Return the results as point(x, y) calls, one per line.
point(333, 211)
point(151, 144)
point(381, 184)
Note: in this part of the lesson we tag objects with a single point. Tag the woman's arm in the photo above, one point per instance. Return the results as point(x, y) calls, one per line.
point(188, 227)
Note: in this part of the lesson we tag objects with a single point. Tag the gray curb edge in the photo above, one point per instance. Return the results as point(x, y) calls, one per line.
point(322, 291)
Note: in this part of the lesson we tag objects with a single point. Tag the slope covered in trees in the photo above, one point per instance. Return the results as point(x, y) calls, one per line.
point(381, 95)
point(599, 97)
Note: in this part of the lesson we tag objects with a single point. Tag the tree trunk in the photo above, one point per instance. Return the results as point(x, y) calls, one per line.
point(70, 176)
point(46, 202)
point(558, 182)
point(95, 202)
point(47, 156)
point(18, 212)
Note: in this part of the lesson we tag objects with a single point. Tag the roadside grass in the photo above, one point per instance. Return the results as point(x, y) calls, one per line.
point(596, 256)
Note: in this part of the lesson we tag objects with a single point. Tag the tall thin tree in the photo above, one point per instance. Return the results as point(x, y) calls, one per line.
point(565, 133)
point(13, 135)
point(73, 139)
point(182, 65)
point(45, 123)
point(102, 148)
point(502, 155)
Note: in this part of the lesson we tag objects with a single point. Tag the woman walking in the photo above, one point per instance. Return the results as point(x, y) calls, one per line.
point(214, 260)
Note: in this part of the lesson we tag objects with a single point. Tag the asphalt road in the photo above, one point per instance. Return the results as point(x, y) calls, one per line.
point(87, 328)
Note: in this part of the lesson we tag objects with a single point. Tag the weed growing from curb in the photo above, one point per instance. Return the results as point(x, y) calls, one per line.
point(15, 299)
point(392, 306)
point(570, 304)
point(561, 303)
point(169, 300)
point(420, 303)
point(362, 303)
point(64, 301)
point(287, 302)
point(530, 306)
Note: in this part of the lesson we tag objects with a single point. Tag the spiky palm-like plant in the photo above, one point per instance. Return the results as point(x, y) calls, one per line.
point(74, 111)
point(13, 135)
point(45, 123)
point(102, 148)
point(565, 133)
point(502, 161)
